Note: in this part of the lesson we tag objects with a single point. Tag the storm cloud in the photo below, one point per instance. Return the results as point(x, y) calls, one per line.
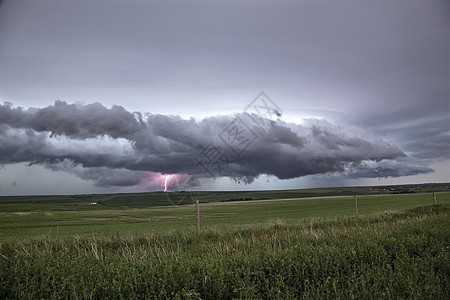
point(115, 147)
point(362, 87)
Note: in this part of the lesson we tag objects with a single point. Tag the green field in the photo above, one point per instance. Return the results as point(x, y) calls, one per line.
point(299, 244)
point(68, 215)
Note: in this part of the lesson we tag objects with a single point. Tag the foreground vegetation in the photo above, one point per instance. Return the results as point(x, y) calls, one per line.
point(389, 255)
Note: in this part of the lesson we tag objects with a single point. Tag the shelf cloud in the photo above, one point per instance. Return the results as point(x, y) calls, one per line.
point(115, 147)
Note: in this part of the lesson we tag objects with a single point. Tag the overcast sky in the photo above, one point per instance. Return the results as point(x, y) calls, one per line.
point(122, 96)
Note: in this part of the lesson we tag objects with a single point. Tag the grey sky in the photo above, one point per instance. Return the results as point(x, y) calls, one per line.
point(377, 68)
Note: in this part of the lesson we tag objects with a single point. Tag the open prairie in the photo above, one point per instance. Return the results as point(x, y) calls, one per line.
point(146, 212)
point(302, 244)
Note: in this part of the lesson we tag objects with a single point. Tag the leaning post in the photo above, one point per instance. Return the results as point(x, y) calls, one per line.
point(197, 215)
point(356, 204)
point(434, 197)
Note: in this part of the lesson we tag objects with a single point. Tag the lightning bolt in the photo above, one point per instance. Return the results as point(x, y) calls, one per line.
point(165, 182)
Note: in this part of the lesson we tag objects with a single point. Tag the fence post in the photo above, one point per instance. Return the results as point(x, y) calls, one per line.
point(434, 197)
point(356, 204)
point(197, 215)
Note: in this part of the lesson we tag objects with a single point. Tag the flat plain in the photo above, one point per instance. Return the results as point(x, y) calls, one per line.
point(68, 215)
point(296, 244)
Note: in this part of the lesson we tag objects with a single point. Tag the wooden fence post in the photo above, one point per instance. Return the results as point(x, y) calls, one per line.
point(197, 215)
point(434, 197)
point(356, 204)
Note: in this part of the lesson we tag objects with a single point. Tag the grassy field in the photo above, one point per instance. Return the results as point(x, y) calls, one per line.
point(23, 219)
point(300, 244)
point(152, 199)
point(397, 255)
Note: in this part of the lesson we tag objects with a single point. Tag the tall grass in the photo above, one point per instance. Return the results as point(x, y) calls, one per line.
point(402, 255)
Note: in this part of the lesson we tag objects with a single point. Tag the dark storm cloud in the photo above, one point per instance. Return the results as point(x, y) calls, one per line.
point(421, 130)
point(384, 169)
point(115, 147)
point(104, 176)
point(378, 65)
point(72, 120)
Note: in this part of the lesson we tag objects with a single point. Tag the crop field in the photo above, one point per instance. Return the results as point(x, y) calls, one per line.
point(301, 244)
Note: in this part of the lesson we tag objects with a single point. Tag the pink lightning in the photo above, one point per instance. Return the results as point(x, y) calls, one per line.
point(165, 182)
